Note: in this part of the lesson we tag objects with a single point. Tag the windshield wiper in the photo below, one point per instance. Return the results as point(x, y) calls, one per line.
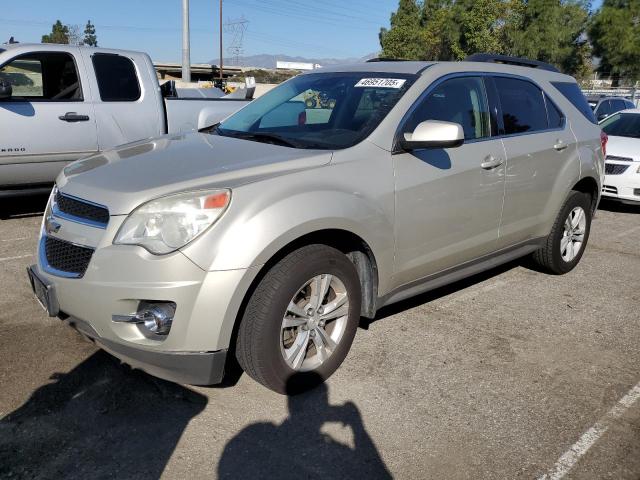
point(261, 137)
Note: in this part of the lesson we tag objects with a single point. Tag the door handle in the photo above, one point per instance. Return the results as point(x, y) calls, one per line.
point(560, 145)
point(73, 117)
point(491, 162)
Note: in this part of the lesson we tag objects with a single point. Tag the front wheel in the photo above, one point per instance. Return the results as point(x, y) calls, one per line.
point(568, 238)
point(301, 319)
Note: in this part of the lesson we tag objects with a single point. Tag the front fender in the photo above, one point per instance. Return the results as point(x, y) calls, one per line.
point(260, 222)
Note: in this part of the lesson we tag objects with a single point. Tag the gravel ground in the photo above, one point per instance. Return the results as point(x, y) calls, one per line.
point(497, 376)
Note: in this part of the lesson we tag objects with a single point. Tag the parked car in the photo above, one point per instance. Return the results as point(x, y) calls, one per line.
point(268, 244)
point(622, 168)
point(605, 106)
point(59, 103)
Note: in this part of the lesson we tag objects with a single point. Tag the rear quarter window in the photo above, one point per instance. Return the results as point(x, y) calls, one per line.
point(572, 92)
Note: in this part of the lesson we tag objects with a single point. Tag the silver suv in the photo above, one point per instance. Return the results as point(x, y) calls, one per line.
point(265, 238)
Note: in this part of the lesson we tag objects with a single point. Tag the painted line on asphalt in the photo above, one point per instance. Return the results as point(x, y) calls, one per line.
point(15, 239)
point(6, 259)
point(568, 460)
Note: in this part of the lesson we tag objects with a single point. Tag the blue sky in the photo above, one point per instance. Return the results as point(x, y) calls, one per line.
point(331, 28)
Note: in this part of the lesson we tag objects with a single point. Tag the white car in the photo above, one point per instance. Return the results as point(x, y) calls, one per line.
point(622, 168)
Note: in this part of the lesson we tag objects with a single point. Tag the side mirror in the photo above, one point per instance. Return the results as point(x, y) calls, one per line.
point(433, 134)
point(5, 90)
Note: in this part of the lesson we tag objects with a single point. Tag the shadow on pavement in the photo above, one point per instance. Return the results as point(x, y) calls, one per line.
point(445, 290)
point(23, 206)
point(99, 420)
point(298, 449)
point(618, 207)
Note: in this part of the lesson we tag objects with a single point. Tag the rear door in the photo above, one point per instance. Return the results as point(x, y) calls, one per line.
point(540, 149)
point(49, 119)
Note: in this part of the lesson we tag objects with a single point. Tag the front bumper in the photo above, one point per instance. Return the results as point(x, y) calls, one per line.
point(119, 277)
point(193, 368)
point(624, 187)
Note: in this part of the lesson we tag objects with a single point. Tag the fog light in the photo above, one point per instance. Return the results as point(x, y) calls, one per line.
point(155, 317)
point(158, 317)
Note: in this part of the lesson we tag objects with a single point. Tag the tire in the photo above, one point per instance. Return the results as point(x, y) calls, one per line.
point(554, 257)
point(265, 347)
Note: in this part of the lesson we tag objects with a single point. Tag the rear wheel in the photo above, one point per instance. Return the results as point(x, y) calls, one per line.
point(568, 238)
point(301, 320)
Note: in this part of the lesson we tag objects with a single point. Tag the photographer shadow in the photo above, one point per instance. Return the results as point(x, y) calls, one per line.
point(297, 448)
point(99, 420)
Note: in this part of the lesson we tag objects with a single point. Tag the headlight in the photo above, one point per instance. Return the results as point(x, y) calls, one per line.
point(166, 224)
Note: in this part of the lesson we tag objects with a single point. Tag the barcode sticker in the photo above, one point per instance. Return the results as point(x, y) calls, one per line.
point(381, 82)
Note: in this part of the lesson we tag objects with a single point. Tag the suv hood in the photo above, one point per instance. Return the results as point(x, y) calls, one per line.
point(125, 177)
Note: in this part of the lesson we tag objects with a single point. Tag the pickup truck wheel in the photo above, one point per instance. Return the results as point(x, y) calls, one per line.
point(301, 319)
point(568, 238)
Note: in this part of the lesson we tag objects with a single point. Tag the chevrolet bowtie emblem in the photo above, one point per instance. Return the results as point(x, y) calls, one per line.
point(50, 225)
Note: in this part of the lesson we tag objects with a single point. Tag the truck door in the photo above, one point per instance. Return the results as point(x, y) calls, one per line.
point(48, 120)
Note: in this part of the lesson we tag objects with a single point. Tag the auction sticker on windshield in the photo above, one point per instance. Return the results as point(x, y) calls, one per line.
point(381, 82)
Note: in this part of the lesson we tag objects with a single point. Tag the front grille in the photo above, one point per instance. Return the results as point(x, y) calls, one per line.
point(81, 209)
point(615, 169)
point(619, 159)
point(67, 257)
point(609, 189)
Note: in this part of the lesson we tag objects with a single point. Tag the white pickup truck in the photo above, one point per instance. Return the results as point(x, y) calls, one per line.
point(59, 103)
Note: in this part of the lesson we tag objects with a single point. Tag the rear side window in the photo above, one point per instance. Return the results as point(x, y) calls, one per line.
point(618, 105)
point(572, 92)
point(117, 78)
point(523, 108)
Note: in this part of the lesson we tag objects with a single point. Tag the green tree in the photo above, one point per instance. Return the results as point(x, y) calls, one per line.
point(615, 34)
point(404, 38)
point(551, 31)
point(90, 37)
point(59, 34)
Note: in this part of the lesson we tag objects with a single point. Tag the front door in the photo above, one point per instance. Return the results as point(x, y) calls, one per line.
point(48, 121)
point(448, 206)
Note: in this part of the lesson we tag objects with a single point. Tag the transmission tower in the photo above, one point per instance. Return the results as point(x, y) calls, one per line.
point(236, 29)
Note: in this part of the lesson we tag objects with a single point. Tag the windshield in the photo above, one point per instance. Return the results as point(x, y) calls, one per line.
point(319, 110)
point(622, 125)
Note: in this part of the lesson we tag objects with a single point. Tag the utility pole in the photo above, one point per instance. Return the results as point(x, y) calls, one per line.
point(221, 77)
point(186, 57)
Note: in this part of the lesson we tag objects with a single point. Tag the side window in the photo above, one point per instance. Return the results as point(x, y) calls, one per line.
point(43, 76)
point(618, 105)
point(459, 100)
point(523, 108)
point(629, 104)
point(117, 78)
point(556, 118)
point(604, 109)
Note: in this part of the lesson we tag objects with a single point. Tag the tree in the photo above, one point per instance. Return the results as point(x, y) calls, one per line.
point(59, 34)
point(547, 30)
point(615, 35)
point(90, 37)
point(551, 31)
point(404, 38)
point(75, 37)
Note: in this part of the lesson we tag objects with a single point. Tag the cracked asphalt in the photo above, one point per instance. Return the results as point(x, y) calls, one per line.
point(497, 376)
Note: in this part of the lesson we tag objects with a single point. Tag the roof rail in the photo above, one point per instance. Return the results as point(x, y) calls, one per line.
point(519, 61)
point(383, 59)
